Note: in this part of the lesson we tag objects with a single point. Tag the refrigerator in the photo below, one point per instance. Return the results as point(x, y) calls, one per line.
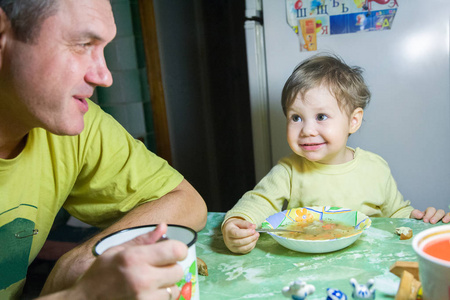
point(406, 66)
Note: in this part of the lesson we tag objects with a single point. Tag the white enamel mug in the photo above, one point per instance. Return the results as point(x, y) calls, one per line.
point(189, 284)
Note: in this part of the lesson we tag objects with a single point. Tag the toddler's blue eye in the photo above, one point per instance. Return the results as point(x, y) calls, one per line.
point(296, 118)
point(321, 117)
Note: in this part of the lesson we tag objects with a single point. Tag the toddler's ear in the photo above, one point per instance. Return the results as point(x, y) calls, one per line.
point(356, 120)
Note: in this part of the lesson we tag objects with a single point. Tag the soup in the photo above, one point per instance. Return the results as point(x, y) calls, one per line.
point(318, 230)
point(439, 248)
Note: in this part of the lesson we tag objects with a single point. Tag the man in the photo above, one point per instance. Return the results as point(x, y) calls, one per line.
point(59, 149)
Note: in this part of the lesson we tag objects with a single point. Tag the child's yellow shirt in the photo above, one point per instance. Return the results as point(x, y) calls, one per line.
point(364, 184)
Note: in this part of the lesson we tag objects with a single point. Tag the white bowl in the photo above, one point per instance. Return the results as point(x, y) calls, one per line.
point(327, 213)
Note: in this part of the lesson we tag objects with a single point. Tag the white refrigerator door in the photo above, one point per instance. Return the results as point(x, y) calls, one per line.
point(256, 64)
point(407, 70)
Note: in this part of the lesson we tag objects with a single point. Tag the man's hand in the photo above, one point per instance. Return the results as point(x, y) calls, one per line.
point(138, 269)
point(182, 206)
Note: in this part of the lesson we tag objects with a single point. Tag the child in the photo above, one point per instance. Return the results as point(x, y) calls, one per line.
point(323, 101)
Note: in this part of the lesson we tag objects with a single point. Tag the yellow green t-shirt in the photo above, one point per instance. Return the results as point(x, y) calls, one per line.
point(364, 184)
point(96, 176)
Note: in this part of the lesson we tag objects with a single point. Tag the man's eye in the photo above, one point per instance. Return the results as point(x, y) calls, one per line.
point(321, 117)
point(83, 46)
point(296, 118)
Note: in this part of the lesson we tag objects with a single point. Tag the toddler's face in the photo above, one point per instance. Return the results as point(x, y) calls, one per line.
point(318, 130)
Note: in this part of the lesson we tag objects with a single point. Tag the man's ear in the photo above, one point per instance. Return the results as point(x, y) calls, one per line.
point(355, 120)
point(5, 25)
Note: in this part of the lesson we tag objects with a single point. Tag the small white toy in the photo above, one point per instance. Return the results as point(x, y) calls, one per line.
point(334, 294)
point(298, 290)
point(363, 291)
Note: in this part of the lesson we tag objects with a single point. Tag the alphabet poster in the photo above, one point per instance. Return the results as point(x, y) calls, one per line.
point(313, 19)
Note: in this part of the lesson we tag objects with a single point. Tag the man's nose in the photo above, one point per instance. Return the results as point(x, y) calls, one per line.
point(98, 74)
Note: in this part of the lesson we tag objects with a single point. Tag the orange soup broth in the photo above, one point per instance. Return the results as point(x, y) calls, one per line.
point(440, 248)
point(318, 230)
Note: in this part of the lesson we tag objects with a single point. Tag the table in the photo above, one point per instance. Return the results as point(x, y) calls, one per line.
point(262, 273)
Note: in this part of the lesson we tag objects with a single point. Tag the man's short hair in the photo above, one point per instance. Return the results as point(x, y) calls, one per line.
point(27, 16)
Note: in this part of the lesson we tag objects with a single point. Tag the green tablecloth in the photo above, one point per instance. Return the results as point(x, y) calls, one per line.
point(262, 273)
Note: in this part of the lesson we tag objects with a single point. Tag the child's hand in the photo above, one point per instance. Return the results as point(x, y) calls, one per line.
point(239, 235)
point(431, 215)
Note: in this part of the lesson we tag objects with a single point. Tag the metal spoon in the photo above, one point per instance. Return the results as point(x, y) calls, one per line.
point(277, 230)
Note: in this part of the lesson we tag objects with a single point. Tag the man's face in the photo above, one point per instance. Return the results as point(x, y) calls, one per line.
point(45, 83)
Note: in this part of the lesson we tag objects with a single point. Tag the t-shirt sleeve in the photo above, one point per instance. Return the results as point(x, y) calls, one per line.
point(396, 206)
point(117, 172)
point(266, 198)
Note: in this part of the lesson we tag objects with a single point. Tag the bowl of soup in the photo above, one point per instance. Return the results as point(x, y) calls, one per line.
point(432, 247)
point(318, 229)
